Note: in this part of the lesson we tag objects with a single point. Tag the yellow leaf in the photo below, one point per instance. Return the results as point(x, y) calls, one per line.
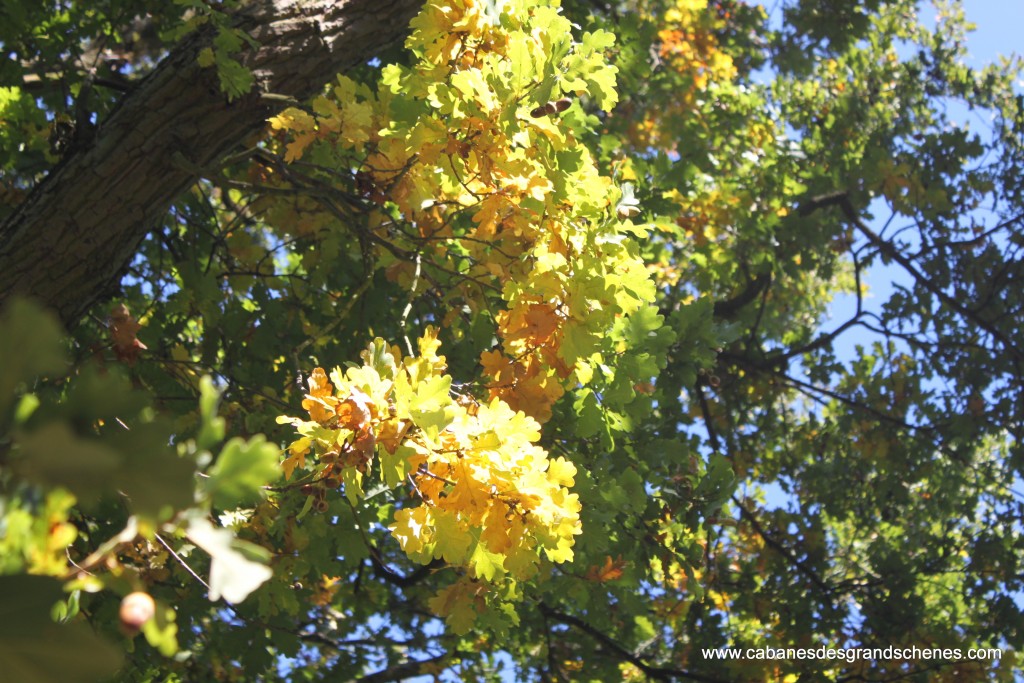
point(297, 455)
point(561, 472)
point(293, 119)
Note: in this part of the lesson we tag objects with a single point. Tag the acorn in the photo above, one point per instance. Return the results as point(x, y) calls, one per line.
point(551, 108)
point(136, 609)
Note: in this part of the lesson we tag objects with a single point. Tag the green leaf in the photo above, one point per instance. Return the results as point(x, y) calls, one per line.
point(153, 476)
point(522, 66)
point(427, 407)
point(96, 394)
point(54, 456)
point(644, 628)
point(577, 342)
point(25, 408)
point(33, 649)
point(377, 355)
point(642, 325)
point(30, 345)
point(590, 418)
point(352, 479)
point(432, 394)
point(462, 617)
point(485, 564)
point(205, 58)
point(598, 40)
point(161, 631)
point(241, 471)
point(453, 541)
point(717, 485)
point(633, 486)
point(395, 467)
point(211, 429)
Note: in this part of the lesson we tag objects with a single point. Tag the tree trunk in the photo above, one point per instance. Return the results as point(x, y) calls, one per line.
point(69, 242)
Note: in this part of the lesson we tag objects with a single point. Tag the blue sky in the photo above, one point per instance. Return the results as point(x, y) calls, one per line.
point(999, 29)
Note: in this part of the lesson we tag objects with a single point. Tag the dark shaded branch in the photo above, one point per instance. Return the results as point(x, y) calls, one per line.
point(781, 549)
point(656, 672)
point(822, 201)
point(396, 579)
point(321, 639)
point(841, 199)
point(829, 337)
point(706, 413)
point(730, 307)
point(816, 392)
point(400, 671)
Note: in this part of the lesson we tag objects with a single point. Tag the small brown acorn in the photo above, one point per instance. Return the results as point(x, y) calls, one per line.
point(562, 104)
point(136, 609)
point(549, 108)
point(542, 110)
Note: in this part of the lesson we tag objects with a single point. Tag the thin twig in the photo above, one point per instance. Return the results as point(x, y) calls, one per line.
point(181, 561)
point(408, 305)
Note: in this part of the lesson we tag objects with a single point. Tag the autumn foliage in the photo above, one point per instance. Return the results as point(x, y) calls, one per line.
point(538, 347)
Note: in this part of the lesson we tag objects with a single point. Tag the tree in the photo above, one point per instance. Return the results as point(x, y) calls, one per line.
point(504, 353)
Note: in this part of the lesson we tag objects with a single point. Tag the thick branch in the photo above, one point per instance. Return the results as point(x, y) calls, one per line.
point(730, 307)
point(68, 243)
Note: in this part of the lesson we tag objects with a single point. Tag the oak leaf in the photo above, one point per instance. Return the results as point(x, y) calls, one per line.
point(123, 329)
point(609, 571)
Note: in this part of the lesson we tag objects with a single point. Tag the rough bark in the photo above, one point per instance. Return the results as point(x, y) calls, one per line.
point(71, 239)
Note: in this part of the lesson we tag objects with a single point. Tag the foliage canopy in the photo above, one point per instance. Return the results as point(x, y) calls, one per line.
point(508, 354)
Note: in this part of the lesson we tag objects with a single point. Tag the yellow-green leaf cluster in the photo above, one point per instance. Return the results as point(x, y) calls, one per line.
point(481, 493)
point(491, 192)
